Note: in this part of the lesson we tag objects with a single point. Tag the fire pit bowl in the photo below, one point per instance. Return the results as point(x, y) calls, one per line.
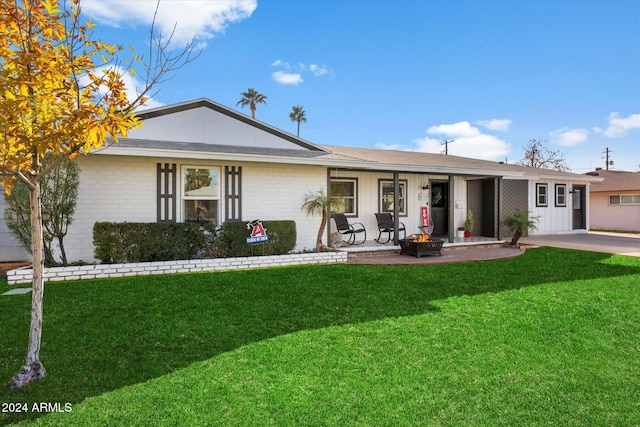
point(418, 248)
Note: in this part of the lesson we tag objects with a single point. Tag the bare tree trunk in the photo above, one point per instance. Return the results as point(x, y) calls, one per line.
point(33, 370)
point(321, 231)
point(63, 253)
point(517, 235)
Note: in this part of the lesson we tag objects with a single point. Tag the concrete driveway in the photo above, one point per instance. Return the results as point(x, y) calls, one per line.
point(612, 243)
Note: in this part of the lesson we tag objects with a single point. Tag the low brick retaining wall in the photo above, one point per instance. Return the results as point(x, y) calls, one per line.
point(99, 271)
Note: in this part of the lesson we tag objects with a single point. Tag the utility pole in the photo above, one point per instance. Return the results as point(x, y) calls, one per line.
point(446, 146)
point(606, 153)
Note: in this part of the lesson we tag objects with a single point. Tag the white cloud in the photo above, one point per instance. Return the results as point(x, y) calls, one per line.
point(569, 137)
point(287, 78)
point(460, 129)
point(279, 63)
point(619, 127)
point(191, 18)
point(468, 141)
point(296, 78)
point(500, 125)
point(397, 147)
point(318, 70)
point(133, 87)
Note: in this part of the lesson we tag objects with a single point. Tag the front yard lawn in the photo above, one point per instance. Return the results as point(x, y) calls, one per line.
point(549, 337)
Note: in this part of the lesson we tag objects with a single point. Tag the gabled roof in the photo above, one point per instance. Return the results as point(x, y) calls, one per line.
point(207, 103)
point(615, 181)
point(170, 142)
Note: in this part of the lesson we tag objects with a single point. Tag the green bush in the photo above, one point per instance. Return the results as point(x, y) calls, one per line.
point(140, 242)
point(282, 238)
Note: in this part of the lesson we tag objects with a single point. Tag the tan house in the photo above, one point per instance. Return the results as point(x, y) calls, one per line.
point(615, 202)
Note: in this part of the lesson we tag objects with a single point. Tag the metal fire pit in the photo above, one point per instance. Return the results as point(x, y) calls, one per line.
point(418, 249)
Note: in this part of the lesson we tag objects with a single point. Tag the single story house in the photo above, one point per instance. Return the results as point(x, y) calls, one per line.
point(614, 203)
point(201, 161)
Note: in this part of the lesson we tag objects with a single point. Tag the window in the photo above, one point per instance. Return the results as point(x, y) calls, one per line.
point(561, 195)
point(385, 196)
point(200, 194)
point(624, 199)
point(542, 195)
point(345, 191)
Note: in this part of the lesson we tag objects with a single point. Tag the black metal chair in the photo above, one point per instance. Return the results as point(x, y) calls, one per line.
point(386, 225)
point(350, 230)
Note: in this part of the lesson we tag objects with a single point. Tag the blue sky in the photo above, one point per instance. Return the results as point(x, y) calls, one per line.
point(408, 75)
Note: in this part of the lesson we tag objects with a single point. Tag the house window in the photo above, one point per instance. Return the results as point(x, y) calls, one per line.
point(542, 195)
point(624, 199)
point(561, 195)
point(200, 194)
point(386, 196)
point(345, 192)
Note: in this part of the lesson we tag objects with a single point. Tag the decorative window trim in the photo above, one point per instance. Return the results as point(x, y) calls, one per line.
point(353, 181)
point(403, 196)
point(561, 195)
point(542, 195)
point(166, 192)
point(624, 199)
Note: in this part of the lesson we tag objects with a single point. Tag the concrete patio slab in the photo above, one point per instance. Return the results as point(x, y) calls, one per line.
point(18, 291)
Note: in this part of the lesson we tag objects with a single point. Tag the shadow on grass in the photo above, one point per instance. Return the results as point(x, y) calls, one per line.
point(103, 335)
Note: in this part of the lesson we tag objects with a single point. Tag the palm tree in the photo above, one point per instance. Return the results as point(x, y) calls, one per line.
point(319, 203)
point(519, 223)
point(298, 115)
point(252, 97)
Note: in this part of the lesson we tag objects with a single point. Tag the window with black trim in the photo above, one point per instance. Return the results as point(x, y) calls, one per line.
point(542, 195)
point(561, 195)
point(345, 192)
point(386, 196)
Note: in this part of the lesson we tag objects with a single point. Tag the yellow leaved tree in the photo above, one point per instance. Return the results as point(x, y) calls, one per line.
point(62, 92)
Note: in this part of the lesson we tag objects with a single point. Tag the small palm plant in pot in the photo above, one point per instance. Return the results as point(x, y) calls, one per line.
point(520, 223)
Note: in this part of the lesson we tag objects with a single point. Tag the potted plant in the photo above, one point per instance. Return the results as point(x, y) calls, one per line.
point(520, 223)
point(468, 224)
point(460, 232)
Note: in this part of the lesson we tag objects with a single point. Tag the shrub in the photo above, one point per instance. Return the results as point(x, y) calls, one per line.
point(282, 238)
point(141, 242)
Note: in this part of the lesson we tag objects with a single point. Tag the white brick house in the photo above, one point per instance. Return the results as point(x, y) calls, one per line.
point(255, 171)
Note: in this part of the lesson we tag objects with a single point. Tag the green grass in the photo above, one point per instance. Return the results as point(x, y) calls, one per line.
point(549, 337)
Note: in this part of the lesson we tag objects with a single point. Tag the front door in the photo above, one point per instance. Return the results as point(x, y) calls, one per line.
point(440, 207)
point(579, 207)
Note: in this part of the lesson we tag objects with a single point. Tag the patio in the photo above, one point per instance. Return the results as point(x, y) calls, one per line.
point(373, 246)
point(462, 249)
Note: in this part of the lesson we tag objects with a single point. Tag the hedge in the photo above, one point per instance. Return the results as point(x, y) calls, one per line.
point(282, 238)
point(116, 242)
point(141, 242)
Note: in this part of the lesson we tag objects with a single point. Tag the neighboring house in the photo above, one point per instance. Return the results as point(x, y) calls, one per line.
point(615, 202)
point(201, 161)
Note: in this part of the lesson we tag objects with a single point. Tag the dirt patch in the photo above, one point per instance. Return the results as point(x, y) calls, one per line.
point(6, 266)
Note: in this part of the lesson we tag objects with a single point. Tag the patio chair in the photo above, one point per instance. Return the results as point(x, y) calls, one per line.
point(386, 225)
point(349, 230)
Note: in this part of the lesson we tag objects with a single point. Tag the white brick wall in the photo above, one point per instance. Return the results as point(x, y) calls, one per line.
point(118, 188)
point(99, 271)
